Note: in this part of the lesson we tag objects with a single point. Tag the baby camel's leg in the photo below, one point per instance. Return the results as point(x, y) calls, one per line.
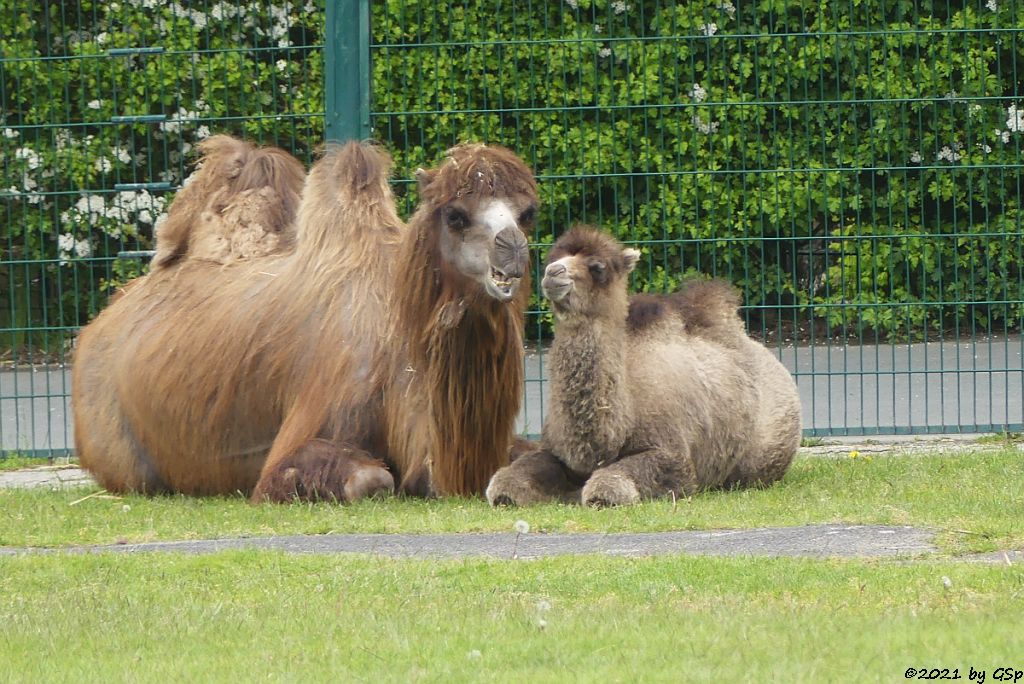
point(644, 475)
point(326, 471)
point(533, 477)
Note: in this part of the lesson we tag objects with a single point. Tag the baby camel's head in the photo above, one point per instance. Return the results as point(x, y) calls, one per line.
point(586, 274)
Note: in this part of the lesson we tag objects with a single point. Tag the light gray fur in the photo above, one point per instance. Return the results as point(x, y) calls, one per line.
point(670, 408)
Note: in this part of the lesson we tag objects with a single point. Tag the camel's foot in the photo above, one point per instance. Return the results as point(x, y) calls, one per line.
point(533, 478)
point(323, 471)
point(610, 489)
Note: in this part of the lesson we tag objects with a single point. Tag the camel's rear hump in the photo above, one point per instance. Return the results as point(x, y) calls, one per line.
point(701, 304)
point(215, 206)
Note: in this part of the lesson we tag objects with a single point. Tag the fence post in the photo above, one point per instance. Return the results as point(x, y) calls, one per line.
point(347, 70)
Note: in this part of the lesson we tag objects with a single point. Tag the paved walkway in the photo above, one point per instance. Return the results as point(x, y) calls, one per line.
point(816, 541)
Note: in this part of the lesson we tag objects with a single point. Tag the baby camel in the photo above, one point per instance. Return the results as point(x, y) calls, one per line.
point(651, 395)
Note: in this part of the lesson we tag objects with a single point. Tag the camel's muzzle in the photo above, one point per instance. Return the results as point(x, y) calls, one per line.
point(510, 257)
point(556, 283)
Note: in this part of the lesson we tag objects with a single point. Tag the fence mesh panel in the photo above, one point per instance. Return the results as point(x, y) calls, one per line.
point(101, 105)
point(853, 167)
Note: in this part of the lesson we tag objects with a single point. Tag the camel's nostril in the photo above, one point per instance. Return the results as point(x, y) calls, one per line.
point(555, 270)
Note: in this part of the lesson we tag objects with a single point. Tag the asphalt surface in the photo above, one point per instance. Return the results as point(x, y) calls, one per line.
point(814, 541)
point(935, 387)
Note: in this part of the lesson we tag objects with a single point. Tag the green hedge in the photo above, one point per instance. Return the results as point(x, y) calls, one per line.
point(832, 158)
point(234, 67)
point(856, 162)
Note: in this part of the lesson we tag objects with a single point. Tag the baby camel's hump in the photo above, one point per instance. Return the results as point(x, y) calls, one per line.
point(691, 389)
point(723, 395)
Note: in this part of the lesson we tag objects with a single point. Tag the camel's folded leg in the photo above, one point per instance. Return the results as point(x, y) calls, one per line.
point(647, 474)
point(321, 470)
point(520, 447)
point(532, 478)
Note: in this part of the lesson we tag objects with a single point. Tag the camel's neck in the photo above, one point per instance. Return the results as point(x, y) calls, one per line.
point(591, 408)
point(455, 391)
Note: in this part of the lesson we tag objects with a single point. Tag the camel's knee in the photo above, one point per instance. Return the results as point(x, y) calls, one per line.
point(605, 488)
point(648, 474)
point(533, 478)
point(324, 471)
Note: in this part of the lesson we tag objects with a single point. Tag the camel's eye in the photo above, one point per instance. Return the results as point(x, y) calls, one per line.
point(456, 219)
point(596, 270)
point(528, 215)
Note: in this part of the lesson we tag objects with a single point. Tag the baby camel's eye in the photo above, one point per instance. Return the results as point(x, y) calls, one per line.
point(528, 215)
point(455, 218)
point(596, 269)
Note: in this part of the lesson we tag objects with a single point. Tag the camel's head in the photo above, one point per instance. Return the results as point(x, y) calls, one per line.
point(586, 273)
point(483, 200)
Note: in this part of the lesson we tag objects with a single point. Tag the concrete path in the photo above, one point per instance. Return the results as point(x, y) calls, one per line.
point(813, 541)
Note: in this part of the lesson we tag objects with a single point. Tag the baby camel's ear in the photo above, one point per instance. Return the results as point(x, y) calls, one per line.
point(424, 177)
point(631, 256)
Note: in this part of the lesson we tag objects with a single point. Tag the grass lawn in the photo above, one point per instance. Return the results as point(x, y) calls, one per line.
point(249, 615)
point(260, 615)
point(974, 501)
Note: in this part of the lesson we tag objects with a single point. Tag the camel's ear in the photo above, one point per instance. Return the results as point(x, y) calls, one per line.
point(630, 256)
point(424, 177)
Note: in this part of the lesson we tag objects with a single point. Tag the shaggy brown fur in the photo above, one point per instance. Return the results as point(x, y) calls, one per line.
point(239, 203)
point(374, 352)
point(650, 396)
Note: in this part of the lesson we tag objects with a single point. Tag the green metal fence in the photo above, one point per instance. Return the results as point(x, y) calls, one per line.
point(854, 167)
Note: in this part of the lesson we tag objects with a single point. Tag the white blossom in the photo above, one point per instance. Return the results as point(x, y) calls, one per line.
point(708, 29)
point(705, 128)
point(83, 249)
point(949, 154)
point(94, 104)
point(63, 138)
point(1014, 119)
point(65, 242)
point(698, 93)
point(122, 154)
point(103, 165)
point(915, 157)
point(992, 5)
point(29, 156)
point(572, 3)
point(10, 133)
point(598, 28)
point(728, 8)
point(604, 52)
point(619, 6)
point(282, 65)
point(984, 147)
point(202, 132)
